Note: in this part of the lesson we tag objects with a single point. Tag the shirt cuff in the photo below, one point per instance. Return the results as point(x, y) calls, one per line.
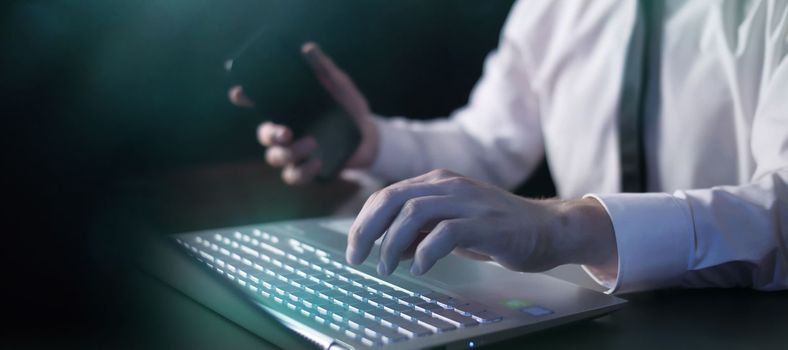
point(395, 147)
point(653, 234)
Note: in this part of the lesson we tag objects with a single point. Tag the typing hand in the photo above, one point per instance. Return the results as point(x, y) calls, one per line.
point(288, 154)
point(479, 221)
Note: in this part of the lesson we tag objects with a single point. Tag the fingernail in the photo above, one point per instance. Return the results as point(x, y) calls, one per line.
point(415, 270)
point(381, 268)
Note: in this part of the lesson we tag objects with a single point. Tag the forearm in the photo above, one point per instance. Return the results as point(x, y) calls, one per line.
point(409, 148)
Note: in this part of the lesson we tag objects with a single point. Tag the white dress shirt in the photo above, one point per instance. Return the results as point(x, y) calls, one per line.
point(716, 148)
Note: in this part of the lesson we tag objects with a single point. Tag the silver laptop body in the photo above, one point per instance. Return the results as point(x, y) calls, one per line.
point(295, 272)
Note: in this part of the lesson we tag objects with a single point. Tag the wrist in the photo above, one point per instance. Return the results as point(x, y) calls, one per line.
point(586, 234)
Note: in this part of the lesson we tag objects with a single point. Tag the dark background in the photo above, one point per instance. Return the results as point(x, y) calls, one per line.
point(115, 118)
point(116, 127)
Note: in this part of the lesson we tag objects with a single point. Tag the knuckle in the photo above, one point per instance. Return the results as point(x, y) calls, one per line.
point(456, 182)
point(272, 157)
point(411, 207)
point(413, 210)
point(440, 172)
point(449, 173)
point(376, 193)
point(281, 155)
point(386, 195)
point(371, 199)
point(445, 228)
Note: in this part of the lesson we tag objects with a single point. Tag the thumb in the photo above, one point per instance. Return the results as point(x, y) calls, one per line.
point(338, 84)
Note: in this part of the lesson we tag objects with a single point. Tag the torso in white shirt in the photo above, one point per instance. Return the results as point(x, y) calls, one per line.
point(552, 89)
point(715, 59)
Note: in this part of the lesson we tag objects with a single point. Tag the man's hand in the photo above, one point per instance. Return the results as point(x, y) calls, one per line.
point(441, 212)
point(288, 154)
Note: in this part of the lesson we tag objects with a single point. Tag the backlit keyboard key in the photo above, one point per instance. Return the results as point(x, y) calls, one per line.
point(436, 324)
point(250, 251)
point(437, 297)
point(486, 316)
point(351, 333)
point(414, 315)
point(343, 287)
point(370, 342)
point(206, 256)
point(309, 284)
point(361, 308)
point(300, 296)
point(307, 247)
point(381, 301)
point(428, 307)
point(386, 334)
point(410, 329)
point(412, 301)
point(344, 301)
point(455, 318)
point(377, 314)
point(395, 294)
point(396, 308)
point(379, 288)
point(272, 249)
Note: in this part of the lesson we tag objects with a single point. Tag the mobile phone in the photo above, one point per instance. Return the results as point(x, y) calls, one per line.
point(285, 91)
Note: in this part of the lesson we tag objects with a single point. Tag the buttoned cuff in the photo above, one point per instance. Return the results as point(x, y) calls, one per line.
point(396, 149)
point(653, 234)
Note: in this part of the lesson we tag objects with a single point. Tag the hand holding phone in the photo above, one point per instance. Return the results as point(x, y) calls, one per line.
point(332, 131)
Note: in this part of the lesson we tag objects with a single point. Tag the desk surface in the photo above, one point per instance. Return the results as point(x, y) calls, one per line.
point(138, 311)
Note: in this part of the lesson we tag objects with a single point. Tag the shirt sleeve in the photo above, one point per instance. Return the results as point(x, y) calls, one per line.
point(726, 236)
point(496, 138)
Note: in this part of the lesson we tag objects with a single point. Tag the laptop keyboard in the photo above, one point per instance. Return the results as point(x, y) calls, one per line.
point(318, 289)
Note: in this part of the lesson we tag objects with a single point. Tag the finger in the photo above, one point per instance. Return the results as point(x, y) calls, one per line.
point(358, 243)
point(423, 178)
point(447, 235)
point(378, 213)
point(238, 98)
point(426, 178)
point(280, 156)
point(411, 250)
point(270, 134)
point(301, 174)
point(337, 82)
point(416, 214)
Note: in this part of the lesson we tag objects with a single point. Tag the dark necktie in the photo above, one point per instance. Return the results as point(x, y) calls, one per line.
point(632, 108)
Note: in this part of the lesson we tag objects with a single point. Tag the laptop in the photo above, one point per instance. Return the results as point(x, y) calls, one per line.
point(291, 278)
